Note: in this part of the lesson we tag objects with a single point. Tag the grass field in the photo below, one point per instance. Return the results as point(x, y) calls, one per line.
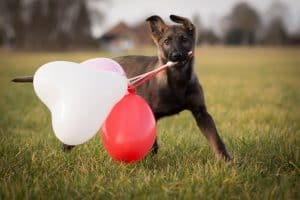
point(253, 94)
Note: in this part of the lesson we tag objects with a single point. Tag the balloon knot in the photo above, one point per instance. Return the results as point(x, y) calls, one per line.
point(131, 90)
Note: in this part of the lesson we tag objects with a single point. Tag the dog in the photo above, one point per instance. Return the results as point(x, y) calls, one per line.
point(177, 88)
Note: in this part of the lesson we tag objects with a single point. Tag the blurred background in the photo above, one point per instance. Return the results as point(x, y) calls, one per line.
point(118, 25)
point(248, 61)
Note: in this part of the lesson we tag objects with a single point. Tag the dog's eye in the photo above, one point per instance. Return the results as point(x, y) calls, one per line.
point(166, 41)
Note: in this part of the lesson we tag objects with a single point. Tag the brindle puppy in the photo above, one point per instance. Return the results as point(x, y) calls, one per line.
point(177, 88)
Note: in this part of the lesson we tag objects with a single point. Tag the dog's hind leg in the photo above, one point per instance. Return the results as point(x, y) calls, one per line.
point(67, 148)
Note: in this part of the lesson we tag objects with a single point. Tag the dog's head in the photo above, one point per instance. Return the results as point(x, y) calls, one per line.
point(175, 41)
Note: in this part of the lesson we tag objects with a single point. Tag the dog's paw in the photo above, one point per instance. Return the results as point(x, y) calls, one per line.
point(226, 158)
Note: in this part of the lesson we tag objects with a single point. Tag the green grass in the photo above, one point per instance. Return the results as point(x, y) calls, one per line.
point(253, 95)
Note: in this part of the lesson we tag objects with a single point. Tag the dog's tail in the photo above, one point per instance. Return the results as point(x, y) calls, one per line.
point(23, 79)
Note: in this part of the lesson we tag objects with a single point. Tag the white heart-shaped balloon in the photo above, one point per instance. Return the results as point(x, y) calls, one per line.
point(78, 97)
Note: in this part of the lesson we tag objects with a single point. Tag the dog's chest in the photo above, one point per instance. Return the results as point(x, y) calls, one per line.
point(165, 101)
point(166, 94)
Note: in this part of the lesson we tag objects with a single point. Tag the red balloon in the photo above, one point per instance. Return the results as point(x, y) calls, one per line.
point(130, 129)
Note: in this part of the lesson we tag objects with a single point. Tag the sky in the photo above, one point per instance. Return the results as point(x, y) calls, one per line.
point(210, 11)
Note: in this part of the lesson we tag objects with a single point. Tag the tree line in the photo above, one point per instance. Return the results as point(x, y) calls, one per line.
point(47, 24)
point(245, 26)
point(66, 24)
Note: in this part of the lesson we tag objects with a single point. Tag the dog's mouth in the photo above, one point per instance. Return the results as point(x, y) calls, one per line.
point(181, 59)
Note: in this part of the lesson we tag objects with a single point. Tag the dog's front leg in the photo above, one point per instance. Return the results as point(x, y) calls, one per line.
point(208, 128)
point(154, 149)
point(206, 123)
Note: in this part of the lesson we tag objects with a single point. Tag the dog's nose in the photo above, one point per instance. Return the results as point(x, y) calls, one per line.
point(176, 56)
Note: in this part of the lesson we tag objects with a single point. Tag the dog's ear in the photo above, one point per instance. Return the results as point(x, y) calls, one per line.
point(157, 26)
point(185, 22)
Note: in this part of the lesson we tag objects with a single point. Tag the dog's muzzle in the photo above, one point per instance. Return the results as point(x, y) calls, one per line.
point(176, 56)
point(179, 57)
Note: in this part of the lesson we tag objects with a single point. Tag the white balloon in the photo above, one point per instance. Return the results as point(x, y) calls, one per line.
point(78, 97)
